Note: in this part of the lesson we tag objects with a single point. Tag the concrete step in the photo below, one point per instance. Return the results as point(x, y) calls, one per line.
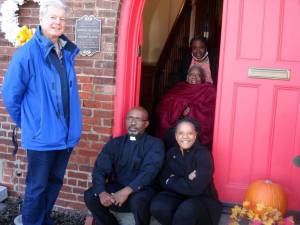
point(127, 219)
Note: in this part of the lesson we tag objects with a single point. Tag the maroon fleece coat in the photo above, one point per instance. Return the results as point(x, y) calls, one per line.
point(200, 98)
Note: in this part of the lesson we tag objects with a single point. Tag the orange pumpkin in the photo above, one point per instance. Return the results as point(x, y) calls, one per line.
point(267, 193)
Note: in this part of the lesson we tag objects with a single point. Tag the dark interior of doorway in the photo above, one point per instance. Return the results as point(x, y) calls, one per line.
point(157, 79)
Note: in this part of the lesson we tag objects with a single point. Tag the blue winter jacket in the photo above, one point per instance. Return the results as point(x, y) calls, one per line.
point(32, 95)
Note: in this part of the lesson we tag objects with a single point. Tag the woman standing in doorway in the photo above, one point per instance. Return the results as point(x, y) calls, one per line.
point(197, 56)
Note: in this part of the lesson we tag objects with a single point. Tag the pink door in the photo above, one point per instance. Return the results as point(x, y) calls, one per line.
point(257, 126)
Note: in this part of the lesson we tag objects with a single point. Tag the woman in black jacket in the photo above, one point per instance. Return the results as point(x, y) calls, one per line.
point(189, 196)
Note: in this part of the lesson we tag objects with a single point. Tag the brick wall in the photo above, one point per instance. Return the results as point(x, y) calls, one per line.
point(96, 78)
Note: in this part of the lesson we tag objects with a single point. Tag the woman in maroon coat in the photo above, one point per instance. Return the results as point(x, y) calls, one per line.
point(194, 98)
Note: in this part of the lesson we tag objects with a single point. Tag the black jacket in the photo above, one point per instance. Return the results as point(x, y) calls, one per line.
point(174, 177)
point(131, 163)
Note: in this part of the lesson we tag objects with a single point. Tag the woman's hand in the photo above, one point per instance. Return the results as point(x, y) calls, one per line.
point(192, 175)
point(186, 111)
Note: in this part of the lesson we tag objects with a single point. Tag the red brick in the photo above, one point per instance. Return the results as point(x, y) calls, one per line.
point(104, 138)
point(84, 79)
point(103, 114)
point(86, 168)
point(81, 160)
point(105, 89)
point(77, 175)
point(87, 87)
point(103, 130)
point(85, 95)
point(72, 166)
point(107, 122)
point(80, 198)
point(67, 196)
point(93, 137)
point(28, 20)
point(62, 203)
point(84, 144)
point(30, 4)
point(24, 12)
point(82, 184)
point(90, 5)
point(91, 104)
point(85, 63)
point(103, 97)
point(86, 112)
point(77, 190)
point(88, 153)
point(71, 182)
point(86, 128)
point(66, 188)
point(91, 71)
point(79, 206)
point(94, 121)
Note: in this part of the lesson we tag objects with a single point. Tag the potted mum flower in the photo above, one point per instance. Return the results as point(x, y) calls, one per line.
point(260, 215)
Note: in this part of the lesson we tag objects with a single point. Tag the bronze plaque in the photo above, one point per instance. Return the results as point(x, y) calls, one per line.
point(87, 35)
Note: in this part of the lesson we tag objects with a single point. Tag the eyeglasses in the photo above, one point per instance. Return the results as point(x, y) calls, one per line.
point(55, 19)
point(130, 119)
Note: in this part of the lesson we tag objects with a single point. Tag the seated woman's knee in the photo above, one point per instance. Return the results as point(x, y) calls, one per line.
point(186, 211)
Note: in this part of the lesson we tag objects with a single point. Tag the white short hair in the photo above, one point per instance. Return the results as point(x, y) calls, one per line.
point(45, 4)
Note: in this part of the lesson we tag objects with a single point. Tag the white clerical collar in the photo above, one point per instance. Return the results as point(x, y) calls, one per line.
point(132, 138)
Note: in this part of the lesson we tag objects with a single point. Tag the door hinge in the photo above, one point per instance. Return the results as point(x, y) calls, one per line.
point(139, 51)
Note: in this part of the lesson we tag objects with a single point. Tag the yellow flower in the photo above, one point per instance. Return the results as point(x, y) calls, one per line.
point(260, 215)
point(233, 223)
point(24, 35)
point(251, 214)
point(260, 208)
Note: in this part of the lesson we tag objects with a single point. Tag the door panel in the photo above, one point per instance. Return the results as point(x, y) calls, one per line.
point(290, 34)
point(257, 128)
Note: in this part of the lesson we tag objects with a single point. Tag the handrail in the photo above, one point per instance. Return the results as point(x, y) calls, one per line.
point(174, 49)
point(173, 30)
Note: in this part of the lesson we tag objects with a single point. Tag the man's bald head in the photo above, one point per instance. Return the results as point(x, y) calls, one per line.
point(142, 110)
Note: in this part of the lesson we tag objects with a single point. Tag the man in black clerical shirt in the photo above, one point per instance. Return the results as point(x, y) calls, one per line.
point(124, 173)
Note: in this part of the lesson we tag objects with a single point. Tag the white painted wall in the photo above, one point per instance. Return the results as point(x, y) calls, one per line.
point(158, 19)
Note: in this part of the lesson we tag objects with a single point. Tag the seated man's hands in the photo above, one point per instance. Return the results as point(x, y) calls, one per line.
point(106, 199)
point(121, 196)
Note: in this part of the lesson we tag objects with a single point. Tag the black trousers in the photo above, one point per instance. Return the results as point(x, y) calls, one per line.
point(175, 209)
point(138, 203)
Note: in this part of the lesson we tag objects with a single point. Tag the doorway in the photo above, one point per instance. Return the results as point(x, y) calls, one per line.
point(258, 89)
point(163, 55)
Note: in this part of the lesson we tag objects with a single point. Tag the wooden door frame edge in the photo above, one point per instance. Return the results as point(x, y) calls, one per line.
point(127, 52)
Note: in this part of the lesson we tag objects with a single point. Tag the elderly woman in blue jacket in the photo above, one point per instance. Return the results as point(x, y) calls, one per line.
point(41, 95)
point(189, 196)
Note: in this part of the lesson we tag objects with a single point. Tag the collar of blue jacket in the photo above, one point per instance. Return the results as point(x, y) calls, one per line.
point(47, 45)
